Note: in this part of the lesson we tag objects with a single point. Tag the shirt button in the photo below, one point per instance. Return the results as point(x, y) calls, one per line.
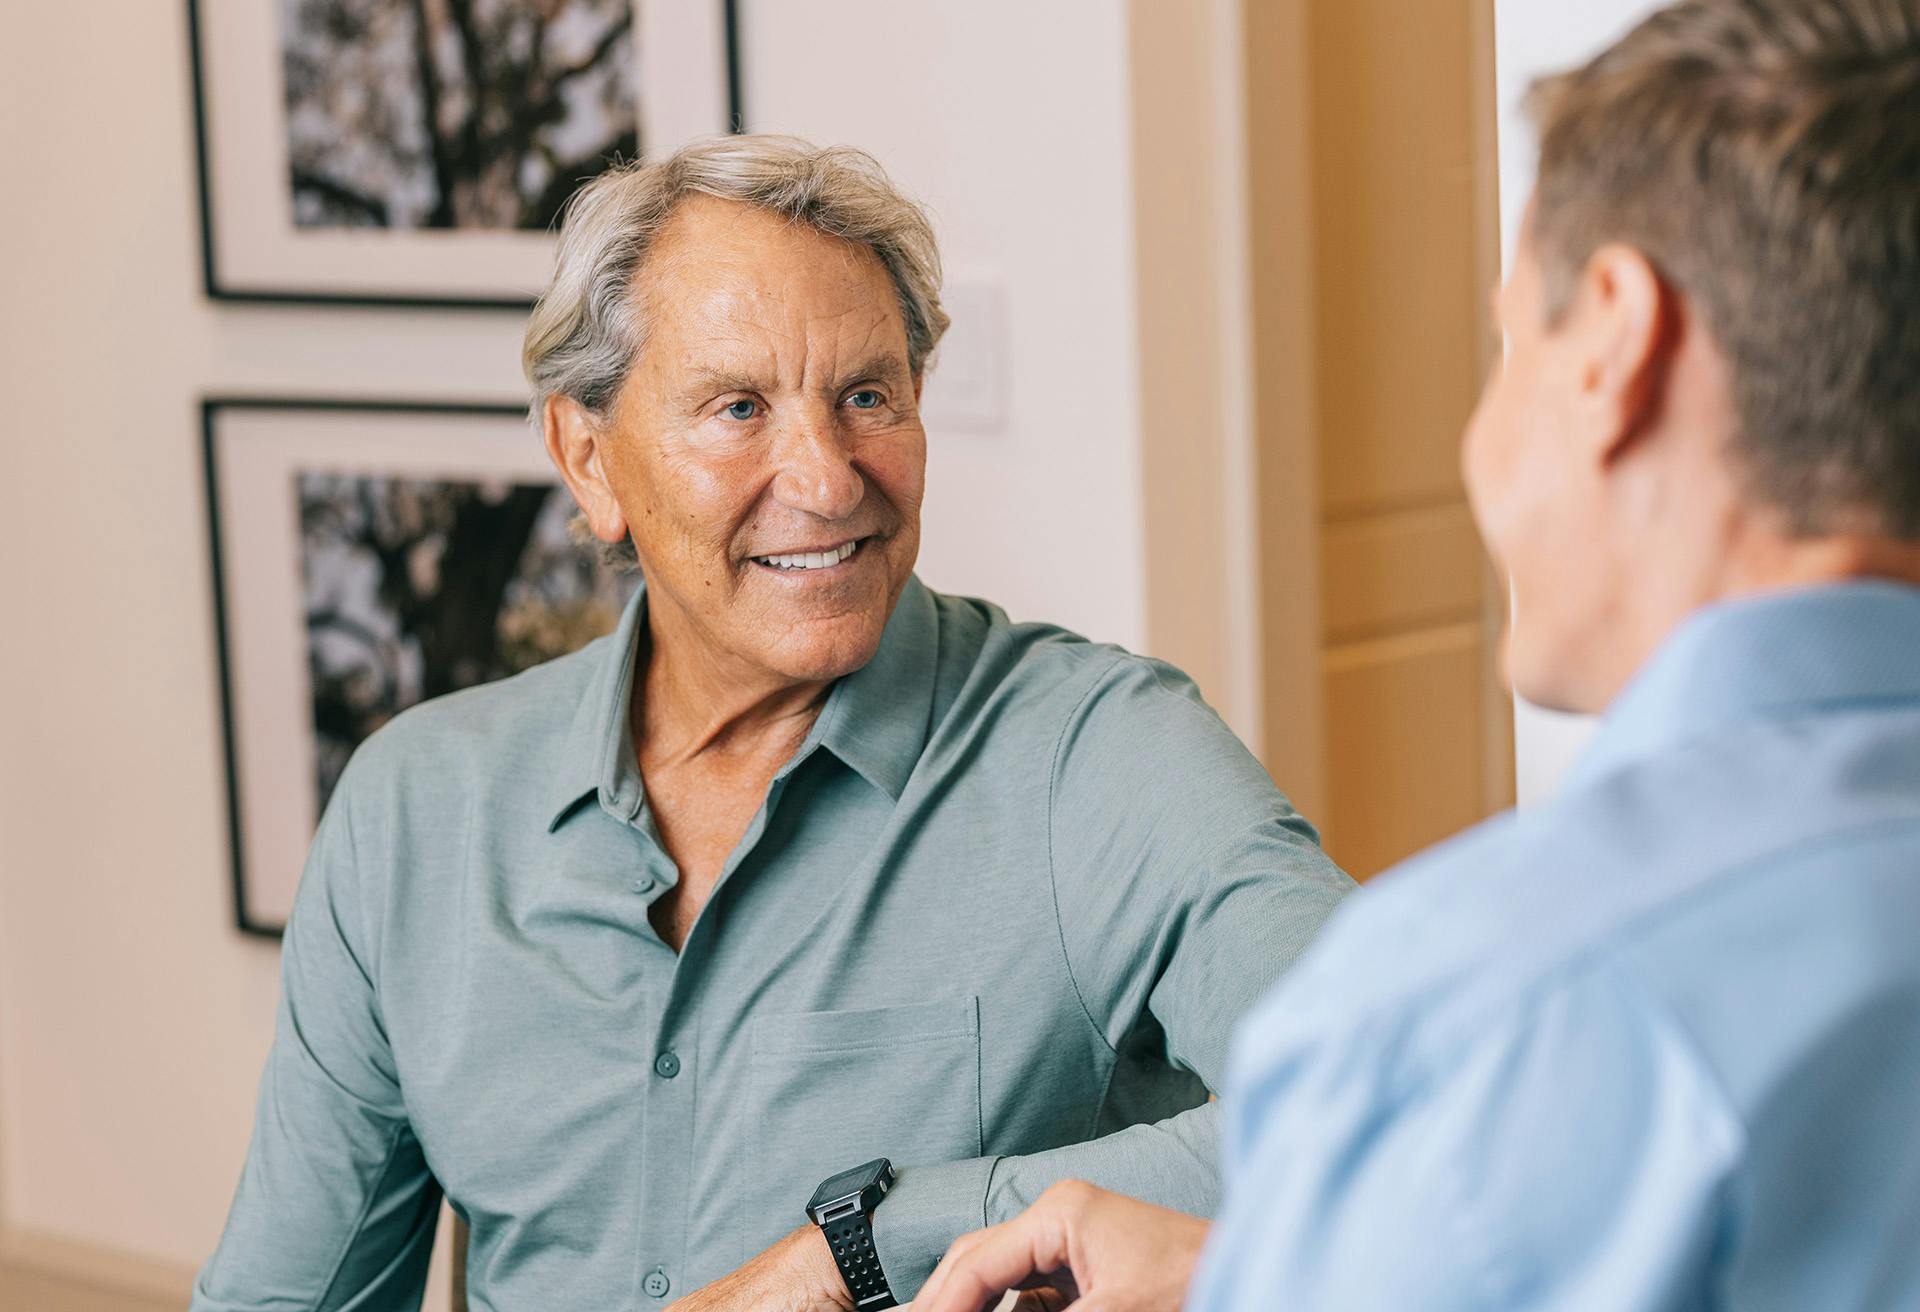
point(666, 1066)
point(643, 886)
point(656, 1284)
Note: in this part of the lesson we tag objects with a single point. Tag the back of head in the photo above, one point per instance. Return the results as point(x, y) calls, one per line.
point(1765, 156)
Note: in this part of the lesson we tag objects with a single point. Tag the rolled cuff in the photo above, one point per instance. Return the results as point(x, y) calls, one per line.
point(928, 1208)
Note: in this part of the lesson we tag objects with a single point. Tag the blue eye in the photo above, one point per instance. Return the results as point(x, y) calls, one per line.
point(864, 400)
point(742, 410)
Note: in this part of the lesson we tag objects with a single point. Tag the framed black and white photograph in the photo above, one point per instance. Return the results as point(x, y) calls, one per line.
point(417, 152)
point(368, 556)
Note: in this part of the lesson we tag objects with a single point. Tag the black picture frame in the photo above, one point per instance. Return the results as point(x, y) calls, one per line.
point(221, 290)
point(260, 897)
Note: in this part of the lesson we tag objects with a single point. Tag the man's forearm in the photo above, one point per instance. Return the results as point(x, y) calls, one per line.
point(1173, 1163)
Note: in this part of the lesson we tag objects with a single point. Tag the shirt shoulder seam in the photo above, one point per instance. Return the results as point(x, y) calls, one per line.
point(1053, 881)
point(359, 949)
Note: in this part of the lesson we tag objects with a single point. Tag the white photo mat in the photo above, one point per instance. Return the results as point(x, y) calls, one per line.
point(254, 250)
point(255, 451)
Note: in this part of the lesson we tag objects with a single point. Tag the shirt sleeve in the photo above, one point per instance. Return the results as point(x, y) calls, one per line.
point(1569, 1152)
point(335, 1207)
point(1185, 885)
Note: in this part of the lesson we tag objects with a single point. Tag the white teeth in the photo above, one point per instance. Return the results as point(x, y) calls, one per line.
point(810, 559)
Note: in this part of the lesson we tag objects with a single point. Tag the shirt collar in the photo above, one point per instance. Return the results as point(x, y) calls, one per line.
point(1765, 657)
point(597, 754)
point(876, 719)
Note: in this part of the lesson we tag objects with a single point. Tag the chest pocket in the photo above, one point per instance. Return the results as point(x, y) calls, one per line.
point(834, 1089)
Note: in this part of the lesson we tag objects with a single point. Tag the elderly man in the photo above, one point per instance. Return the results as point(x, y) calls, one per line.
point(1657, 1043)
point(650, 953)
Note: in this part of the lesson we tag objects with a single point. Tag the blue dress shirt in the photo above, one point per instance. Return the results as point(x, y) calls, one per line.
point(1654, 1044)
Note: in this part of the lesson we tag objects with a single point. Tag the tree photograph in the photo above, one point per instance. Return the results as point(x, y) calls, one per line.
point(441, 114)
point(418, 587)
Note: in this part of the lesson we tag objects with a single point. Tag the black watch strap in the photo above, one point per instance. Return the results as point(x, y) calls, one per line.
point(851, 1238)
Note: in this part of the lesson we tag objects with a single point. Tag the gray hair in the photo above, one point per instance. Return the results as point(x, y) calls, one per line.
point(585, 330)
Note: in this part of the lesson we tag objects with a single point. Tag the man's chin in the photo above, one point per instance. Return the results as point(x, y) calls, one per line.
point(819, 651)
point(1549, 685)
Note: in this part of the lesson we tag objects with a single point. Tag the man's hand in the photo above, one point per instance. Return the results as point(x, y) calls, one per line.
point(795, 1275)
point(1110, 1253)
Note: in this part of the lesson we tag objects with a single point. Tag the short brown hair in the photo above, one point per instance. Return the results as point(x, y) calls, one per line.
point(1765, 156)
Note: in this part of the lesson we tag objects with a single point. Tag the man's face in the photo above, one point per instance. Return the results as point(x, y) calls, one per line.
point(1539, 498)
point(766, 450)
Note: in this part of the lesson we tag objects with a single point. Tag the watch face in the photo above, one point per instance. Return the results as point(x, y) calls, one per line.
point(848, 1183)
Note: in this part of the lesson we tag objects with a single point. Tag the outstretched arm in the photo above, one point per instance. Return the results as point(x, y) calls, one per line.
point(1186, 886)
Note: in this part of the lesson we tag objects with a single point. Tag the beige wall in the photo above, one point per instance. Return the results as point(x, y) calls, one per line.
point(1372, 178)
point(1194, 314)
point(133, 1020)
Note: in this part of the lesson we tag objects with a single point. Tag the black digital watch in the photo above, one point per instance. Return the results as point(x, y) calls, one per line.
point(843, 1209)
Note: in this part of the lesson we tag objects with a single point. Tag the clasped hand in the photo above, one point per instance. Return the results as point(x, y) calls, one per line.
point(1078, 1245)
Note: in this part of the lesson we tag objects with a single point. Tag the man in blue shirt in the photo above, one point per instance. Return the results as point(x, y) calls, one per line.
point(1655, 1044)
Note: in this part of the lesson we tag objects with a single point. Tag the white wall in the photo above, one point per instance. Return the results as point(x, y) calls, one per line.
point(1535, 38)
point(133, 1021)
point(1020, 149)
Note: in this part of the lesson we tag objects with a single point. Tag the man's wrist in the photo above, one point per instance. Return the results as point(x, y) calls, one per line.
point(827, 1286)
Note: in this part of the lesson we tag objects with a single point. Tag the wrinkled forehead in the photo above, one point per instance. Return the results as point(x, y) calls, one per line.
point(735, 280)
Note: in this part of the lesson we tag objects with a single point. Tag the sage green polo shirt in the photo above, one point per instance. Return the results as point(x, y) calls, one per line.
point(994, 921)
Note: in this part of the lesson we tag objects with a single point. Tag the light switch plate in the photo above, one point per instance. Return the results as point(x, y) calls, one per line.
point(966, 390)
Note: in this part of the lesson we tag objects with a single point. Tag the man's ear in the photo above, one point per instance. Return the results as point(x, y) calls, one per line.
point(573, 443)
point(1624, 326)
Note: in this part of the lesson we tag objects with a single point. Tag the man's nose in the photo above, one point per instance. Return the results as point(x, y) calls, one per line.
point(816, 472)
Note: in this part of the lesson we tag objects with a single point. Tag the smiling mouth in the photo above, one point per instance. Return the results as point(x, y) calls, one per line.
point(802, 561)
